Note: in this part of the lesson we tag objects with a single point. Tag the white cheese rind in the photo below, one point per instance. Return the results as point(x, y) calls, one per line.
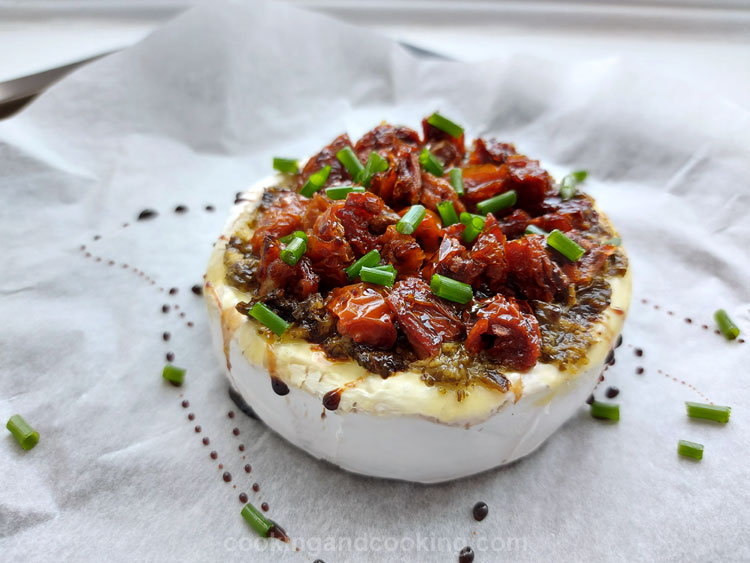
point(397, 427)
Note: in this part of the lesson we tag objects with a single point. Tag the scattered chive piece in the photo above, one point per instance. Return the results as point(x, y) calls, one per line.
point(411, 219)
point(288, 238)
point(568, 248)
point(606, 411)
point(474, 225)
point(569, 183)
point(340, 192)
point(614, 241)
point(431, 163)
point(446, 125)
point(534, 230)
point(375, 164)
point(451, 289)
point(726, 326)
point(386, 268)
point(457, 180)
point(257, 521)
point(351, 162)
point(497, 203)
point(377, 276)
point(294, 251)
point(268, 318)
point(690, 449)
point(285, 165)
point(447, 213)
point(173, 374)
point(709, 412)
point(24, 434)
point(316, 181)
point(369, 260)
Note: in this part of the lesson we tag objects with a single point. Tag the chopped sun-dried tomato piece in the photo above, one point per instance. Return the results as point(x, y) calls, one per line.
point(483, 181)
point(454, 261)
point(273, 273)
point(428, 232)
point(435, 190)
point(282, 215)
point(505, 332)
point(531, 182)
point(357, 213)
point(315, 207)
point(327, 248)
point(515, 224)
point(363, 315)
point(552, 221)
point(489, 250)
point(384, 139)
point(424, 318)
point(531, 271)
point(490, 151)
point(325, 157)
point(450, 150)
point(403, 251)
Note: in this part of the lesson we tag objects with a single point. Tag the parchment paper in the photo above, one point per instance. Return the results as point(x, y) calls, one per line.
point(192, 115)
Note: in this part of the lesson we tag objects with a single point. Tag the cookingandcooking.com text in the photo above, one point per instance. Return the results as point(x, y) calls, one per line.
point(315, 546)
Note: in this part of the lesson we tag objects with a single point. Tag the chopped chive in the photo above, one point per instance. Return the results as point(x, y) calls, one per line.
point(569, 183)
point(709, 412)
point(446, 125)
point(431, 163)
point(288, 238)
point(375, 164)
point(457, 180)
point(24, 434)
point(316, 181)
point(377, 276)
point(173, 374)
point(497, 203)
point(285, 165)
point(606, 411)
point(690, 449)
point(369, 260)
point(386, 268)
point(451, 289)
point(565, 246)
point(614, 241)
point(534, 230)
point(447, 213)
point(411, 220)
point(294, 251)
point(726, 326)
point(340, 192)
point(257, 521)
point(474, 225)
point(268, 318)
point(351, 162)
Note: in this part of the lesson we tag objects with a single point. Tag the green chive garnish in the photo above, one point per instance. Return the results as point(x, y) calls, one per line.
point(690, 449)
point(377, 276)
point(607, 411)
point(445, 124)
point(340, 192)
point(497, 203)
point(614, 241)
point(285, 165)
point(316, 181)
point(173, 374)
point(411, 220)
point(569, 183)
point(431, 163)
point(24, 434)
point(288, 238)
point(386, 268)
point(451, 289)
point(534, 230)
point(257, 521)
point(294, 251)
point(266, 317)
point(351, 162)
point(457, 180)
point(375, 164)
point(474, 225)
point(709, 412)
point(568, 248)
point(369, 260)
point(726, 326)
point(447, 213)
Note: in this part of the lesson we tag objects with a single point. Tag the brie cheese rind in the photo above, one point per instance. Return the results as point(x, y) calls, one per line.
point(398, 427)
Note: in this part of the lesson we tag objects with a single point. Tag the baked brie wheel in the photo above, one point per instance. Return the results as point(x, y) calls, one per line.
point(408, 308)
